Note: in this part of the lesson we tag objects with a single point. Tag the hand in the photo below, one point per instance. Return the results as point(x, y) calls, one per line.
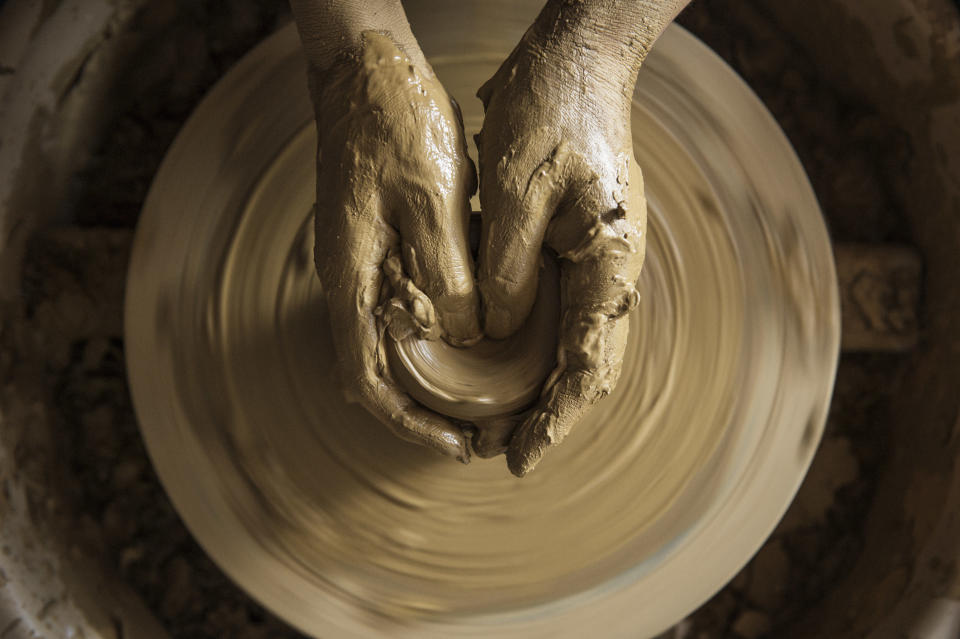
point(393, 188)
point(557, 169)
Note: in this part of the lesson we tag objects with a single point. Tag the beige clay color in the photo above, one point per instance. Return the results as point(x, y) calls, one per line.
point(657, 497)
point(391, 218)
point(557, 170)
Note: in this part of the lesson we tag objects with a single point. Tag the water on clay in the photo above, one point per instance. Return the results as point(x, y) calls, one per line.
point(656, 498)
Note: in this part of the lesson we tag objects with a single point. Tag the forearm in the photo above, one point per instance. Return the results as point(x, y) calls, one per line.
point(332, 29)
point(610, 37)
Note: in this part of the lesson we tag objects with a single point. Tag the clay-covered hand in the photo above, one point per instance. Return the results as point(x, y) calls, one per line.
point(557, 170)
point(393, 187)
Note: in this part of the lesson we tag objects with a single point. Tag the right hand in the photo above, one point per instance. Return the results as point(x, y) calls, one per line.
point(393, 187)
point(557, 170)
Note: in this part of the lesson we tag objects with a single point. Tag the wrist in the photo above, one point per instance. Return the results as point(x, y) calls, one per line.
point(607, 39)
point(367, 52)
point(332, 31)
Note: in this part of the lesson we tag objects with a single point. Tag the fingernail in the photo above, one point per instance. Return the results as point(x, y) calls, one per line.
point(517, 465)
point(456, 446)
point(518, 457)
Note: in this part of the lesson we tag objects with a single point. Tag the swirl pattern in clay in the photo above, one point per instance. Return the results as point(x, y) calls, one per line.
point(656, 498)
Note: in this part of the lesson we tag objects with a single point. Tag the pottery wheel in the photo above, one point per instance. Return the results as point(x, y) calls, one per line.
point(654, 501)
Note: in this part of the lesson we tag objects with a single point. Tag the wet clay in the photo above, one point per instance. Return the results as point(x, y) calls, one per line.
point(557, 170)
point(393, 188)
point(345, 531)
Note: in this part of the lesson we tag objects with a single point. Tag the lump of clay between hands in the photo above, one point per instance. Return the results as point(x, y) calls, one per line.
point(491, 379)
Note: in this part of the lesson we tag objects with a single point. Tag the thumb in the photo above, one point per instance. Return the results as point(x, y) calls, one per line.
point(436, 255)
point(518, 205)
